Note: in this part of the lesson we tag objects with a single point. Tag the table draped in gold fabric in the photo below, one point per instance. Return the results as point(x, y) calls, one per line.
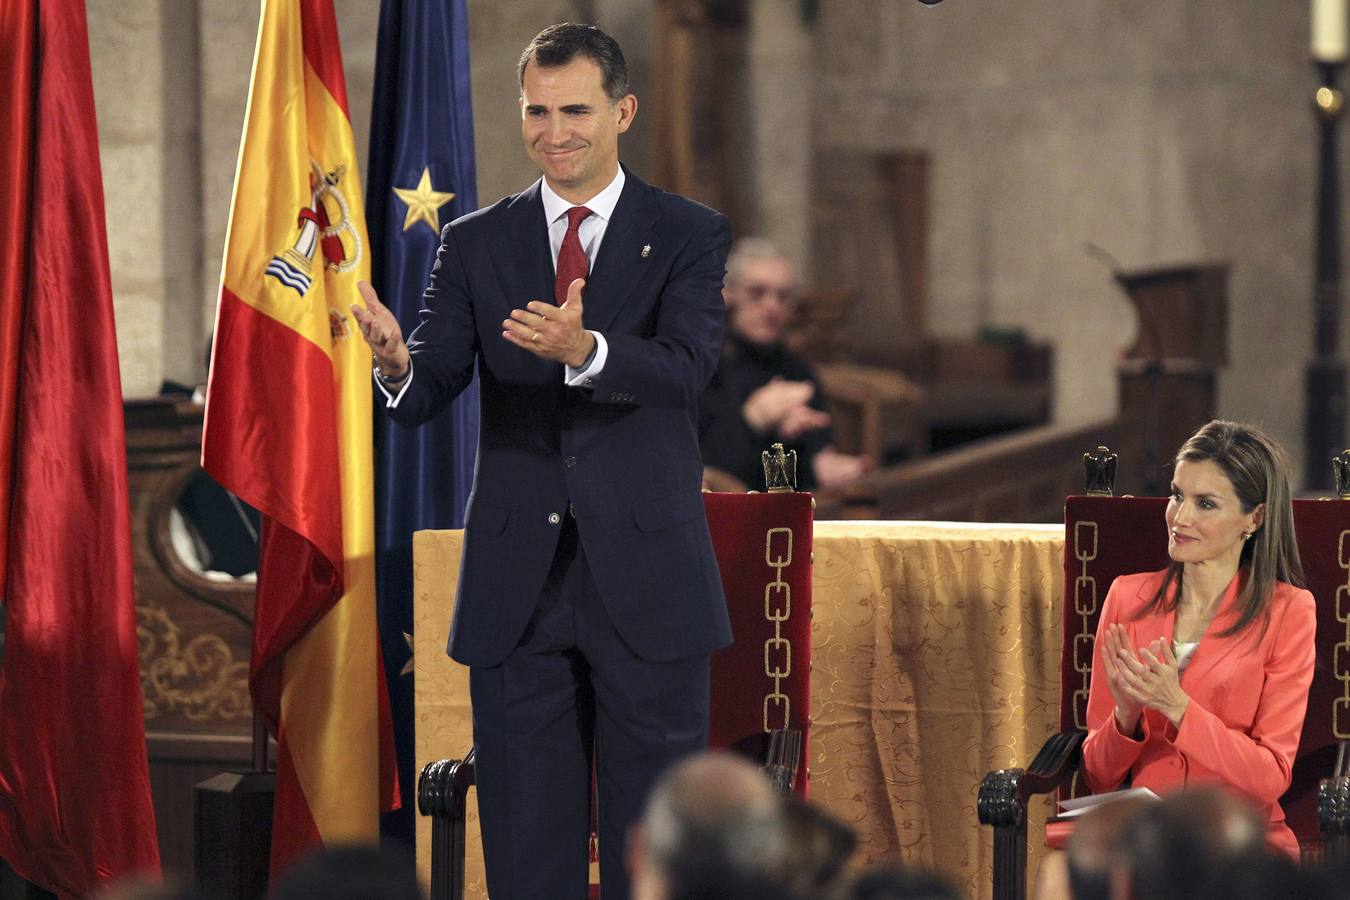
point(935, 659)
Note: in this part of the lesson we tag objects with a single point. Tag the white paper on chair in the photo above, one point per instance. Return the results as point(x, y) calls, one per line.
point(1076, 806)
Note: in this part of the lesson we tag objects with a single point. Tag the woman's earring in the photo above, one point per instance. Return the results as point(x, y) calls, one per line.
point(1246, 535)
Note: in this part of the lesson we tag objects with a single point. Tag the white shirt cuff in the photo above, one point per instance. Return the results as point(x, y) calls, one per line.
point(584, 377)
point(391, 400)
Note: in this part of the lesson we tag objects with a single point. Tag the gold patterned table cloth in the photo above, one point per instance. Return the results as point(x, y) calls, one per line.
point(935, 659)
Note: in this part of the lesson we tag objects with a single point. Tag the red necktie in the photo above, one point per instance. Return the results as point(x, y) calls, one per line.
point(571, 258)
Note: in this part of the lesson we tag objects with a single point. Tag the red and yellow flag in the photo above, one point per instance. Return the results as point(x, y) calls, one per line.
point(288, 429)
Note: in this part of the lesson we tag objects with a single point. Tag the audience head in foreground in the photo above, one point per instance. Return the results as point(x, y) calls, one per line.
point(901, 883)
point(353, 872)
point(1098, 844)
point(1187, 846)
point(713, 828)
point(820, 846)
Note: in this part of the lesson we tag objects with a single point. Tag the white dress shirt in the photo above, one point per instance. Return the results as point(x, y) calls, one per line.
point(590, 232)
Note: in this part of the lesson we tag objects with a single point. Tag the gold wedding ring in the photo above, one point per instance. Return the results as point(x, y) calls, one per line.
point(535, 337)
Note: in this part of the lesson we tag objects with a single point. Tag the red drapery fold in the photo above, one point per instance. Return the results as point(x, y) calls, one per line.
point(75, 805)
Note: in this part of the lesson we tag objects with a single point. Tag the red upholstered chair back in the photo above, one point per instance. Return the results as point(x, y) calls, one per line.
point(763, 680)
point(1103, 537)
point(1109, 536)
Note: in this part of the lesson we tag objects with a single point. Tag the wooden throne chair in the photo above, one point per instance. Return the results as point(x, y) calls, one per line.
point(760, 685)
point(1106, 536)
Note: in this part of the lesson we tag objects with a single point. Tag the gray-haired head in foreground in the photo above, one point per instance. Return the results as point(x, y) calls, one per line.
point(714, 827)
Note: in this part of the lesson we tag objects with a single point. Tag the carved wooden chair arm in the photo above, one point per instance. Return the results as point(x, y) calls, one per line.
point(1003, 804)
point(442, 791)
point(1333, 807)
point(1004, 792)
point(444, 785)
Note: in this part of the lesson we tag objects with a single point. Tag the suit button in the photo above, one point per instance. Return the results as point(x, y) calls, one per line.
point(554, 518)
point(570, 461)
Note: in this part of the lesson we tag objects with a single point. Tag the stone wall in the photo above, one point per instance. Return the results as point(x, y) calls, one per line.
point(1162, 130)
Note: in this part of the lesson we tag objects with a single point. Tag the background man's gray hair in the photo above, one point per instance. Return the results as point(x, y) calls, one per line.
point(748, 249)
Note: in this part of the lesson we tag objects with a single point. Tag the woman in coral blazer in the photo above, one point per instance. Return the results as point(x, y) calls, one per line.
point(1200, 672)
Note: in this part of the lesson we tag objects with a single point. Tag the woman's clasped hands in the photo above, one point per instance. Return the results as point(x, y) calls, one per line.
point(1147, 679)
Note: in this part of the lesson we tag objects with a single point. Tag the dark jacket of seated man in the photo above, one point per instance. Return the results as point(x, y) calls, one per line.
point(731, 443)
point(762, 393)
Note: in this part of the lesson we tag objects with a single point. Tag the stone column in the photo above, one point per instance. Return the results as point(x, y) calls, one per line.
point(782, 78)
point(143, 55)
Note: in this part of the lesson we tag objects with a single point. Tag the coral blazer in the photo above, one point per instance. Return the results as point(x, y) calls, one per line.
point(1248, 691)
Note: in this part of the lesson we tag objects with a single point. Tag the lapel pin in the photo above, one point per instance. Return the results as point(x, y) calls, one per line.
point(646, 250)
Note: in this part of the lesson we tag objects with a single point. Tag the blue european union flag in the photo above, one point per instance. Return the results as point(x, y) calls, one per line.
point(421, 178)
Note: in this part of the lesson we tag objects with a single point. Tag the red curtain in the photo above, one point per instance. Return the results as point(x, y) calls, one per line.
point(75, 806)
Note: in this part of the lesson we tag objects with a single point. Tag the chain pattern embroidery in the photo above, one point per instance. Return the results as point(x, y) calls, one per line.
point(777, 609)
point(1340, 709)
point(1085, 605)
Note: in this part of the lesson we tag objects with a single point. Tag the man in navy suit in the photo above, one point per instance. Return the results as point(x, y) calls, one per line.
point(589, 597)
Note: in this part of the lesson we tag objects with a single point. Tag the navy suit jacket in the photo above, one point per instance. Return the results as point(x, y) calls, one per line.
point(623, 451)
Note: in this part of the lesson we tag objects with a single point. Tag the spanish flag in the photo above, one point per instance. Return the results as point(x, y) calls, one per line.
point(288, 429)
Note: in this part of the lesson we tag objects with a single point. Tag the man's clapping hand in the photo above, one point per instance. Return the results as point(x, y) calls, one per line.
point(553, 332)
point(782, 406)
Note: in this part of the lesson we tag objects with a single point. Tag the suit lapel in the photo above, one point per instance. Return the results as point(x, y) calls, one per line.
point(631, 247)
point(1146, 630)
point(522, 258)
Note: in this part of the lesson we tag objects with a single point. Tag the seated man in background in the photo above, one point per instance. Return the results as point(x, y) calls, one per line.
point(762, 393)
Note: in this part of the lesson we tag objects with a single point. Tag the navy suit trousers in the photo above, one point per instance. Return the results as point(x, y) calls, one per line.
point(572, 686)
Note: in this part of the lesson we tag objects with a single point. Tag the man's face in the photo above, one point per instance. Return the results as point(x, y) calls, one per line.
point(759, 303)
point(571, 127)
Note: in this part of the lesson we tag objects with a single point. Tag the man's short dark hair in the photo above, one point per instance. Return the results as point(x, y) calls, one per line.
point(557, 45)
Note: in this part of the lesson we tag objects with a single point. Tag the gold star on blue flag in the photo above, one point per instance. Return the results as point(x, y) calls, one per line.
point(424, 203)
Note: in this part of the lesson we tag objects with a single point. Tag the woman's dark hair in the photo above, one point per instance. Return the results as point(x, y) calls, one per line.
point(1259, 472)
point(557, 45)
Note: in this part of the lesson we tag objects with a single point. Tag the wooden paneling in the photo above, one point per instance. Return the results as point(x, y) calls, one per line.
point(1020, 478)
point(194, 633)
